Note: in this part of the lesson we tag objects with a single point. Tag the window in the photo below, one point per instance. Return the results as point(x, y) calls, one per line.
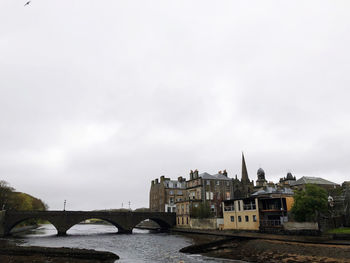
point(247, 218)
point(228, 195)
point(182, 220)
point(171, 200)
point(227, 183)
point(212, 208)
point(232, 219)
point(217, 182)
point(178, 220)
point(239, 219)
point(179, 192)
point(169, 209)
point(239, 206)
point(229, 207)
point(209, 195)
point(208, 182)
point(254, 218)
point(192, 195)
point(171, 192)
point(175, 185)
point(187, 220)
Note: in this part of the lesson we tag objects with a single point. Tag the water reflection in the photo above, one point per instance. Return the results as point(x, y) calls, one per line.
point(141, 246)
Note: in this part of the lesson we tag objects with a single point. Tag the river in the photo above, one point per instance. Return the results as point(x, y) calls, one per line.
point(141, 246)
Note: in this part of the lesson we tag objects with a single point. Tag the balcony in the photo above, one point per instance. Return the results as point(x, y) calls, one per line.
point(249, 207)
point(229, 208)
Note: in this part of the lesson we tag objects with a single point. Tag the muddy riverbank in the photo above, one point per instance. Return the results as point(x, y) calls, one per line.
point(273, 251)
point(11, 253)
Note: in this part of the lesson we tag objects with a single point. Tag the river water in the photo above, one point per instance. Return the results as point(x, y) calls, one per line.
point(141, 246)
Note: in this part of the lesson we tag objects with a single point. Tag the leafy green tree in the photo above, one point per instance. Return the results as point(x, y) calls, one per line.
point(5, 194)
point(201, 211)
point(309, 203)
point(141, 209)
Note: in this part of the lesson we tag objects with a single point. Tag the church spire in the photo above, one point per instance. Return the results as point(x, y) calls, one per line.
point(245, 178)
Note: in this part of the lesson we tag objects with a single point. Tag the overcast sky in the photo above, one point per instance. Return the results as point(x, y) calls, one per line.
point(98, 98)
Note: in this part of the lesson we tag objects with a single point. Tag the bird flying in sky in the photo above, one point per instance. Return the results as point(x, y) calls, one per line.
point(27, 3)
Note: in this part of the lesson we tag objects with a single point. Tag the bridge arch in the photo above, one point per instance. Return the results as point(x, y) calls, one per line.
point(112, 222)
point(10, 227)
point(163, 224)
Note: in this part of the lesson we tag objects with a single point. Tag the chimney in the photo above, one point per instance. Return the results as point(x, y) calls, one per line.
point(224, 173)
point(195, 173)
point(152, 183)
point(191, 175)
point(180, 179)
point(156, 181)
point(220, 172)
point(162, 178)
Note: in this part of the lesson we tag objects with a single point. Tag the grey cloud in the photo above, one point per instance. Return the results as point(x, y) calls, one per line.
point(97, 99)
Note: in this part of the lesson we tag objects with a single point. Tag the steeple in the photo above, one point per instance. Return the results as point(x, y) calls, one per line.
point(245, 178)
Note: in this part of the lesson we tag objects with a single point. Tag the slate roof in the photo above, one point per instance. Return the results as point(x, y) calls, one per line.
point(312, 180)
point(214, 177)
point(273, 190)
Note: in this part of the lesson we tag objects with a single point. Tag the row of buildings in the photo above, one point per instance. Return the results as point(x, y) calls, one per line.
point(232, 203)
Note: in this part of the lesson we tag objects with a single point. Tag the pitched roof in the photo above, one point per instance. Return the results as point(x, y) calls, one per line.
point(273, 190)
point(312, 180)
point(214, 177)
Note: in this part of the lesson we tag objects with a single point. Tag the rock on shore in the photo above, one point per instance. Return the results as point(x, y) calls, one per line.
point(15, 254)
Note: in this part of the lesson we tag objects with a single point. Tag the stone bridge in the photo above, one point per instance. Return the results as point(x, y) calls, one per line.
point(64, 220)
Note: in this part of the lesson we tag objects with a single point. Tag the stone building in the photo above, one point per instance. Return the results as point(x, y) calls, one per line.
point(261, 182)
point(266, 208)
point(325, 184)
point(165, 192)
point(204, 189)
point(211, 190)
point(288, 180)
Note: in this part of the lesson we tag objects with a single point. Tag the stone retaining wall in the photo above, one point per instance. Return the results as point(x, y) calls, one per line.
point(297, 226)
point(205, 223)
point(2, 221)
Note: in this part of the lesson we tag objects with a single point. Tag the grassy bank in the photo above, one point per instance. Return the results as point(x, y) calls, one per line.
point(342, 230)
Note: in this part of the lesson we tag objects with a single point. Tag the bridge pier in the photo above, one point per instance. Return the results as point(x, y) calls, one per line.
point(124, 231)
point(61, 233)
